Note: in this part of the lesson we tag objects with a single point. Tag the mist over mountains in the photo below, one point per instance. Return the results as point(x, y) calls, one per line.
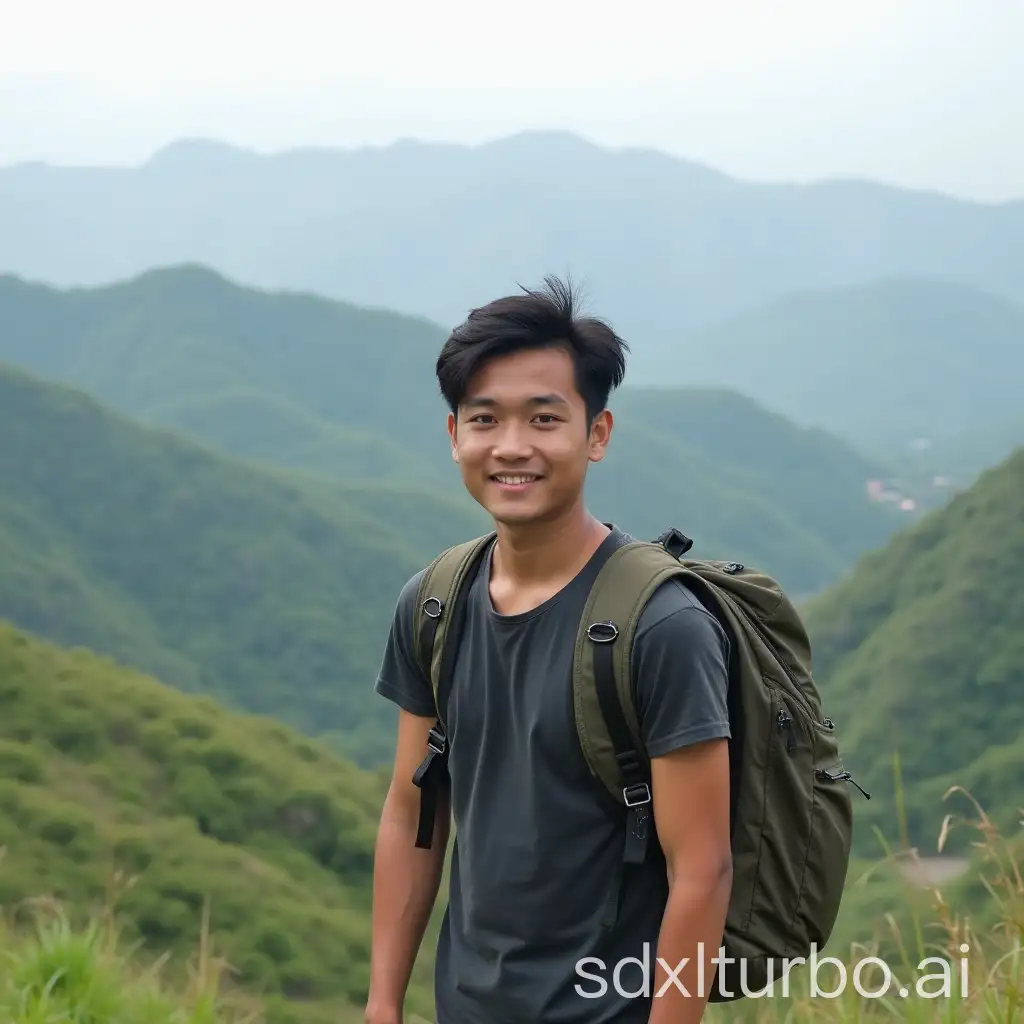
point(663, 246)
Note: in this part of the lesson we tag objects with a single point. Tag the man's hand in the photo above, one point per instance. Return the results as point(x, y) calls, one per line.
point(375, 1015)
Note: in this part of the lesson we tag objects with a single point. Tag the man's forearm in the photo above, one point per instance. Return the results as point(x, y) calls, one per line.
point(691, 931)
point(405, 886)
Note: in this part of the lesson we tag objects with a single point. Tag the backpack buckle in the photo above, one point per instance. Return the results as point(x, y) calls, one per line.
point(637, 794)
point(674, 542)
point(602, 632)
point(436, 740)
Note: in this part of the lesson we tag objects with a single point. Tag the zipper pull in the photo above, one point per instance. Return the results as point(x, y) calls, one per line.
point(853, 782)
point(842, 777)
point(785, 720)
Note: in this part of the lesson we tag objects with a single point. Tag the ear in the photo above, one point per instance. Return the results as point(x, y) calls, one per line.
point(453, 437)
point(600, 435)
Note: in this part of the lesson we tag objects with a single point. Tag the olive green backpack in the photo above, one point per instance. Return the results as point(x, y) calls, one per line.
point(791, 812)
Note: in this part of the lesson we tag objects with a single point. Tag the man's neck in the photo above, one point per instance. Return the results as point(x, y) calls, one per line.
point(546, 552)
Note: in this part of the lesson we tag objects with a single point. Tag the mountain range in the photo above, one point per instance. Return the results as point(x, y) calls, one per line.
point(227, 487)
point(271, 587)
point(347, 395)
point(664, 246)
point(882, 365)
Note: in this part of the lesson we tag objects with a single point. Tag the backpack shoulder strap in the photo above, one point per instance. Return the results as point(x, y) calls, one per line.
point(436, 601)
point(440, 614)
point(606, 720)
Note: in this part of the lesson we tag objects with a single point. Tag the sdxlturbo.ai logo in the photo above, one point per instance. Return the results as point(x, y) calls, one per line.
point(927, 986)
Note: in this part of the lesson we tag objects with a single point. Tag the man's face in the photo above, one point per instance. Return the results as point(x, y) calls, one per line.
point(522, 440)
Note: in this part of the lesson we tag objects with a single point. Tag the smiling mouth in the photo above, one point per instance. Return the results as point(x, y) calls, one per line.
point(514, 479)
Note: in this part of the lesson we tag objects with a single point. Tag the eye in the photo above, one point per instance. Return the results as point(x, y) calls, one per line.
point(548, 419)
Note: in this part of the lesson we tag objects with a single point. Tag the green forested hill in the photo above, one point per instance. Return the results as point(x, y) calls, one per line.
point(103, 770)
point(184, 347)
point(788, 495)
point(350, 394)
point(879, 364)
point(256, 425)
point(217, 576)
point(920, 652)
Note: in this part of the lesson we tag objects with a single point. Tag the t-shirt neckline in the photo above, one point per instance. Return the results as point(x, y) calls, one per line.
point(584, 577)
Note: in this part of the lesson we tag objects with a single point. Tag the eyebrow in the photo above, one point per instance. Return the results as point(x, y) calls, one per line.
point(488, 403)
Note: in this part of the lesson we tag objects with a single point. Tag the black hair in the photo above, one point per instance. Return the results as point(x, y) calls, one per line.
point(541, 318)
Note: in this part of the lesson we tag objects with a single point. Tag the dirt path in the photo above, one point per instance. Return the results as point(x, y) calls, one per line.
point(933, 870)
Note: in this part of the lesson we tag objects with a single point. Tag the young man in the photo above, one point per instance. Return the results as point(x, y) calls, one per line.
point(538, 851)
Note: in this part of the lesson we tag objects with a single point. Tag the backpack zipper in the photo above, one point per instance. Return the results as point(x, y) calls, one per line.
point(798, 694)
point(785, 724)
point(785, 720)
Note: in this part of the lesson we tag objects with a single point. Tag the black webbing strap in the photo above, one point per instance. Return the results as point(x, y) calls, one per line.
point(432, 774)
point(636, 790)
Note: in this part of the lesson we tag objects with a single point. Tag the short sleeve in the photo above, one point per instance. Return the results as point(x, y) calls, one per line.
point(400, 679)
point(680, 672)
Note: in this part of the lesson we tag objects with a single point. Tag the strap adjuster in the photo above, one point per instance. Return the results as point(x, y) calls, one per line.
point(637, 794)
point(436, 740)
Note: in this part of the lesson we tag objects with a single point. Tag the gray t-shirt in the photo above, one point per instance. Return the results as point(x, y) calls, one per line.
point(537, 851)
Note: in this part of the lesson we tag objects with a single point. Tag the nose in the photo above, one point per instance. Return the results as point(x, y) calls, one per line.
point(511, 442)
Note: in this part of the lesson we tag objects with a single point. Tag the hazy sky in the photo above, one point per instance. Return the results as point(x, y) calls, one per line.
point(925, 93)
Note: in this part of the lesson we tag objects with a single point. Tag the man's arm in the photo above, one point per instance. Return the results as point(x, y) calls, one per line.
point(405, 879)
point(690, 791)
point(681, 680)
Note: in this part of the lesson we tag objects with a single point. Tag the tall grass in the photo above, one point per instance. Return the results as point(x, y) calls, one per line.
point(950, 953)
point(52, 971)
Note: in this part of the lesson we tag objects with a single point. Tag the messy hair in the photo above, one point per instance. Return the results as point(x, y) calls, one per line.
point(542, 318)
